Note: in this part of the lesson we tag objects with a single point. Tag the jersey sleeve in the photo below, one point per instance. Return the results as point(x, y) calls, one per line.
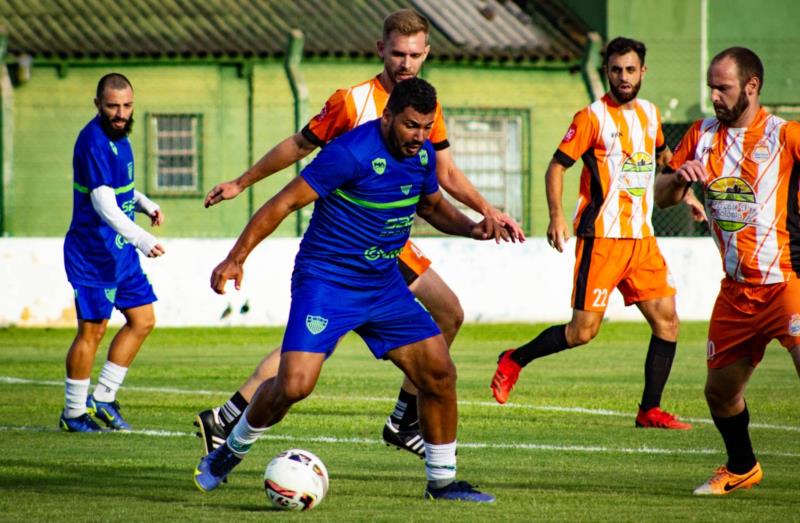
point(93, 166)
point(580, 136)
point(661, 144)
point(684, 151)
point(791, 137)
point(335, 118)
point(438, 135)
point(333, 167)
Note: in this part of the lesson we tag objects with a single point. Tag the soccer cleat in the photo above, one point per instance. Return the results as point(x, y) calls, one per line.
point(211, 430)
point(505, 376)
point(410, 440)
point(83, 423)
point(656, 418)
point(107, 412)
point(214, 468)
point(459, 491)
point(724, 481)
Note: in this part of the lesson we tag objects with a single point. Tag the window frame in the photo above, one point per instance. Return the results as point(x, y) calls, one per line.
point(152, 156)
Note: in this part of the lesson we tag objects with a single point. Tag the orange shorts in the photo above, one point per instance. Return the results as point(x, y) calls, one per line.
point(412, 262)
point(634, 266)
point(747, 317)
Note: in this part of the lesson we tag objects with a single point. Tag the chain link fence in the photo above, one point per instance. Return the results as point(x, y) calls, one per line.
point(677, 220)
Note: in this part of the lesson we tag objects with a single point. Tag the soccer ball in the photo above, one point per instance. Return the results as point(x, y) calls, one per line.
point(296, 479)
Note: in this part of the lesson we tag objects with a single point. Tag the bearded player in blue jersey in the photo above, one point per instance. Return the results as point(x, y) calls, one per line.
point(101, 261)
point(367, 186)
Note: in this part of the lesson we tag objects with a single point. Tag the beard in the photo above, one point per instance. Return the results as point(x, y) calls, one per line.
point(111, 131)
point(397, 147)
point(729, 115)
point(624, 98)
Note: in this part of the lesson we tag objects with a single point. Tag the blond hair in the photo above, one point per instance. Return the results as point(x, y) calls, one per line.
point(406, 22)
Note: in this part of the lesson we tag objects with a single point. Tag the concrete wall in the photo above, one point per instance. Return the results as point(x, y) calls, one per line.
point(506, 283)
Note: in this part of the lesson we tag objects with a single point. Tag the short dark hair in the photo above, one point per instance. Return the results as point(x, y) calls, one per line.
point(406, 22)
point(748, 63)
point(415, 92)
point(622, 45)
point(114, 81)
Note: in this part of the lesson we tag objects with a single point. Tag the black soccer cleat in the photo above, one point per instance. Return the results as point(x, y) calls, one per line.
point(410, 440)
point(212, 431)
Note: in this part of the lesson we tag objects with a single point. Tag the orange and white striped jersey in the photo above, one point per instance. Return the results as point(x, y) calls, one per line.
point(751, 194)
point(349, 108)
point(619, 148)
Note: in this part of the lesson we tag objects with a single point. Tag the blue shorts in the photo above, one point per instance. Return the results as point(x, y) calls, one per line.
point(322, 312)
point(96, 303)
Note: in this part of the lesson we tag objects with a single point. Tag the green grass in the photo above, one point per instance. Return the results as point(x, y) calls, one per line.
point(567, 465)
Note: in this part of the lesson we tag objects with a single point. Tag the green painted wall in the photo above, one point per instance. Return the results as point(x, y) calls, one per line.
point(49, 111)
point(672, 31)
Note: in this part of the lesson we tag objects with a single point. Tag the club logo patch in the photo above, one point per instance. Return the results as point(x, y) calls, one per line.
point(111, 294)
point(316, 324)
point(379, 165)
point(113, 148)
point(760, 153)
point(405, 189)
point(732, 202)
point(637, 170)
point(794, 325)
point(423, 157)
point(571, 132)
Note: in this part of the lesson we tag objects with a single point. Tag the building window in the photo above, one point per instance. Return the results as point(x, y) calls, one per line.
point(174, 165)
point(491, 147)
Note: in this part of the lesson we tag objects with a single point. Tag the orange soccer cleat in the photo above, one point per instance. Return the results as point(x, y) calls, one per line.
point(724, 481)
point(656, 418)
point(505, 376)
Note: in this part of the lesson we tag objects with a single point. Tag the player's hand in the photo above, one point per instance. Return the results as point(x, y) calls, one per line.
point(690, 172)
point(156, 251)
point(506, 222)
point(227, 270)
point(696, 208)
point(157, 218)
point(557, 233)
point(489, 229)
point(222, 191)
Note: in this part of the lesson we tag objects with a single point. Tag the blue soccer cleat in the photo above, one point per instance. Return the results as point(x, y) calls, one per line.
point(83, 423)
point(458, 491)
point(214, 468)
point(107, 412)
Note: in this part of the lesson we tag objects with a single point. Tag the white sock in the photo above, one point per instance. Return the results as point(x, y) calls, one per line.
point(440, 463)
point(243, 436)
point(109, 382)
point(75, 393)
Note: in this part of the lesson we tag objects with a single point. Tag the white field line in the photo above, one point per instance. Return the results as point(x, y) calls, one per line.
point(11, 380)
point(493, 446)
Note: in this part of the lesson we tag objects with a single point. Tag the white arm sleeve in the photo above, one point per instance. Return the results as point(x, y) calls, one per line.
point(105, 204)
point(144, 204)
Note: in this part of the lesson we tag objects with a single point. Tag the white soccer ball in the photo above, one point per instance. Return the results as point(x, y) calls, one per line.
point(296, 479)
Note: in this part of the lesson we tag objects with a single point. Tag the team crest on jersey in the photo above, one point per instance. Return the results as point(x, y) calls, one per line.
point(111, 294)
point(732, 203)
point(406, 189)
point(423, 157)
point(761, 152)
point(637, 170)
point(316, 324)
point(571, 132)
point(323, 112)
point(794, 325)
point(379, 165)
point(113, 148)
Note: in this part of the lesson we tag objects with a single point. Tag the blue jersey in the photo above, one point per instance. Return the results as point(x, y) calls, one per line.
point(366, 206)
point(94, 254)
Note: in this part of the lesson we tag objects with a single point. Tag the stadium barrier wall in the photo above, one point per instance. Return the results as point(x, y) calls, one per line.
point(530, 282)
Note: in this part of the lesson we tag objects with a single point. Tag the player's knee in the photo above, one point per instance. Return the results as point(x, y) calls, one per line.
point(295, 388)
point(719, 399)
point(439, 379)
point(581, 335)
point(451, 322)
point(144, 324)
point(92, 333)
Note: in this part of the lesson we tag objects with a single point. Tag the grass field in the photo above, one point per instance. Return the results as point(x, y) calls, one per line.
point(564, 448)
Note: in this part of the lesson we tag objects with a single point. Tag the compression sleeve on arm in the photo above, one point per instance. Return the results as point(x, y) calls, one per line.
point(105, 204)
point(144, 204)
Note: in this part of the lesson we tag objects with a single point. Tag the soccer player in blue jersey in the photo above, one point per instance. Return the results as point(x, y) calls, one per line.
point(101, 260)
point(367, 186)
